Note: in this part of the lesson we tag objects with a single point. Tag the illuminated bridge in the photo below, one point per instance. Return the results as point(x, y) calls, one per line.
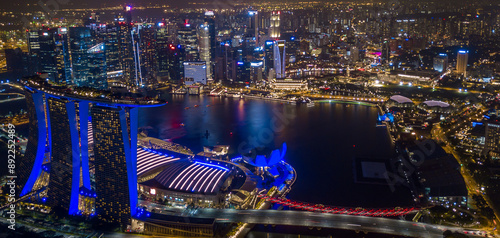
point(364, 224)
point(341, 210)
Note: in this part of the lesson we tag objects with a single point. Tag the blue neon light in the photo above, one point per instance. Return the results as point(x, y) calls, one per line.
point(49, 132)
point(84, 130)
point(275, 157)
point(40, 150)
point(75, 149)
point(463, 51)
point(131, 169)
point(134, 112)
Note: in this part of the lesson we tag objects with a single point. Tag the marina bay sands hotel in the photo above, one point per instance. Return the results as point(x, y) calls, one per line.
point(67, 127)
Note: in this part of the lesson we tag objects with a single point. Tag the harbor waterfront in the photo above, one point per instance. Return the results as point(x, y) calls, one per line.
point(323, 141)
point(325, 167)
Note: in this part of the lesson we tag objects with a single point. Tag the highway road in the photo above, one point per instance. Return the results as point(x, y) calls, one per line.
point(316, 219)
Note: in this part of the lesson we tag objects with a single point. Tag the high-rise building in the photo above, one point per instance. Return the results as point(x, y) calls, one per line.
point(116, 162)
point(31, 165)
point(60, 125)
point(175, 59)
point(256, 72)
point(44, 49)
point(462, 58)
point(492, 139)
point(64, 180)
point(195, 72)
point(440, 62)
point(279, 58)
point(253, 25)
point(188, 39)
point(268, 56)
point(114, 68)
point(15, 59)
point(62, 57)
point(161, 50)
point(205, 49)
point(354, 54)
point(274, 28)
point(126, 48)
point(210, 22)
point(97, 77)
point(80, 41)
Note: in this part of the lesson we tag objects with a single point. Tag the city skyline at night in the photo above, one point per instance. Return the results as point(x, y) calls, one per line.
point(250, 119)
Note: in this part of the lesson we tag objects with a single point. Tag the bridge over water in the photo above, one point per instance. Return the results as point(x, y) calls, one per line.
point(312, 219)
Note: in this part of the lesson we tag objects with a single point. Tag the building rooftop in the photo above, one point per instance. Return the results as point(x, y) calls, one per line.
point(436, 104)
point(400, 99)
point(440, 171)
point(148, 160)
point(190, 176)
point(88, 94)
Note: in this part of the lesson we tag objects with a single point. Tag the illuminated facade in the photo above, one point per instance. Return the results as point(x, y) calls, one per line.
point(115, 164)
point(195, 72)
point(188, 40)
point(31, 164)
point(253, 24)
point(274, 29)
point(66, 127)
point(65, 156)
point(462, 58)
point(440, 63)
point(492, 139)
point(279, 58)
point(204, 39)
point(288, 84)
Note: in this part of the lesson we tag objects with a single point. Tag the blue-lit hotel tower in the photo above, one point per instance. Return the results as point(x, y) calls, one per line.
point(65, 131)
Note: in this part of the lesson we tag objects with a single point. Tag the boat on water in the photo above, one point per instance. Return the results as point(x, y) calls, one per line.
point(195, 105)
point(236, 95)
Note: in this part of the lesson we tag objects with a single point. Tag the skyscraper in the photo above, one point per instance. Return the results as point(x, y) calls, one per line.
point(116, 162)
point(162, 50)
point(61, 129)
point(253, 25)
point(126, 51)
point(462, 58)
point(64, 180)
point(31, 164)
point(279, 58)
point(188, 39)
point(97, 77)
point(80, 41)
point(114, 68)
point(42, 47)
point(268, 56)
point(256, 72)
point(210, 22)
point(440, 62)
point(205, 48)
point(492, 139)
point(274, 29)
